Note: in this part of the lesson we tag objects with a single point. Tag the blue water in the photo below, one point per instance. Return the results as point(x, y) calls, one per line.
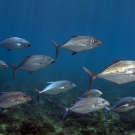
point(40, 21)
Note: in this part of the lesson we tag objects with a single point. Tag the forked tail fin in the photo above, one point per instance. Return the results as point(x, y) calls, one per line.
point(65, 111)
point(14, 70)
point(38, 94)
point(91, 75)
point(57, 48)
point(107, 111)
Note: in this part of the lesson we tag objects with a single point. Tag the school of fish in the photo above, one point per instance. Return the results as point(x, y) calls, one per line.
point(119, 72)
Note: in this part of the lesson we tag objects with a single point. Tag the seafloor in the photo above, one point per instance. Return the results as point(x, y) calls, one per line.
point(45, 117)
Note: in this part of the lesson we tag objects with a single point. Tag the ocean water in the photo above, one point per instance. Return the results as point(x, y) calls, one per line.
point(39, 22)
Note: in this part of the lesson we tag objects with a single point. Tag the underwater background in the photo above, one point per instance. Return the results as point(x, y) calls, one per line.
point(39, 22)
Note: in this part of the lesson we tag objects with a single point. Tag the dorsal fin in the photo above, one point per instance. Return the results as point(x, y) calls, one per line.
point(28, 56)
point(79, 98)
point(73, 36)
point(10, 36)
point(115, 61)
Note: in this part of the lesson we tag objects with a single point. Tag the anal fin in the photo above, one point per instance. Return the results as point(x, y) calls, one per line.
point(74, 53)
point(8, 50)
point(30, 72)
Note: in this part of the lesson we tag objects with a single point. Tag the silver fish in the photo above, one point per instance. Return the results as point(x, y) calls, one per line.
point(3, 65)
point(120, 72)
point(56, 87)
point(86, 105)
point(78, 44)
point(124, 104)
point(9, 99)
point(33, 63)
point(124, 108)
point(88, 94)
point(91, 93)
point(13, 43)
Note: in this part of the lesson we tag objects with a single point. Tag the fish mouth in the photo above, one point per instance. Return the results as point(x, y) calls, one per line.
point(28, 99)
point(5, 66)
point(99, 43)
point(53, 61)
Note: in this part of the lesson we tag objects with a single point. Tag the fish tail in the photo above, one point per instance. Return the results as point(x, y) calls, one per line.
point(91, 75)
point(57, 48)
point(14, 70)
point(107, 111)
point(65, 111)
point(38, 94)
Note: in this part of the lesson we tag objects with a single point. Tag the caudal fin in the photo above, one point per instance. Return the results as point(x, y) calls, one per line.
point(38, 94)
point(65, 111)
point(91, 75)
point(14, 70)
point(107, 111)
point(57, 48)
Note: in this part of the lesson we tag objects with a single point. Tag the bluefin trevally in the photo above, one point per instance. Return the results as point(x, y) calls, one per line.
point(78, 44)
point(91, 93)
point(56, 87)
point(13, 43)
point(86, 105)
point(119, 72)
point(33, 63)
point(88, 94)
point(123, 103)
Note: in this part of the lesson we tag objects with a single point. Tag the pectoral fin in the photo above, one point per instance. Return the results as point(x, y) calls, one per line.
point(125, 105)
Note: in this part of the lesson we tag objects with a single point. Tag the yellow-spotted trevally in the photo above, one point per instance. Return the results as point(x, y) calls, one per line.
point(120, 72)
point(122, 105)
point(86, 105)
point(9, 99)
point(56, 87)
point(13, 43)
point(33, 63)
point(78, 44)
point(3, 65)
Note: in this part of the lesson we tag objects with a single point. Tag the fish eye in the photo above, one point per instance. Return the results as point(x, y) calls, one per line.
point(3, 65)
point(103, 101)
point(48, 59)
point(24, 96)
point(70, 83)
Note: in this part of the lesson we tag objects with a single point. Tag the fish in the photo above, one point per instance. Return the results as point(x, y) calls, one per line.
point(56, 87)
point(78, 44)
point(88, 94)
point(91, 93)
point(13, 43)
point(119, 72)
point(3, 65)
point(122, 105)
point(9, 99)
point(86, 105)
point(33, 63)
